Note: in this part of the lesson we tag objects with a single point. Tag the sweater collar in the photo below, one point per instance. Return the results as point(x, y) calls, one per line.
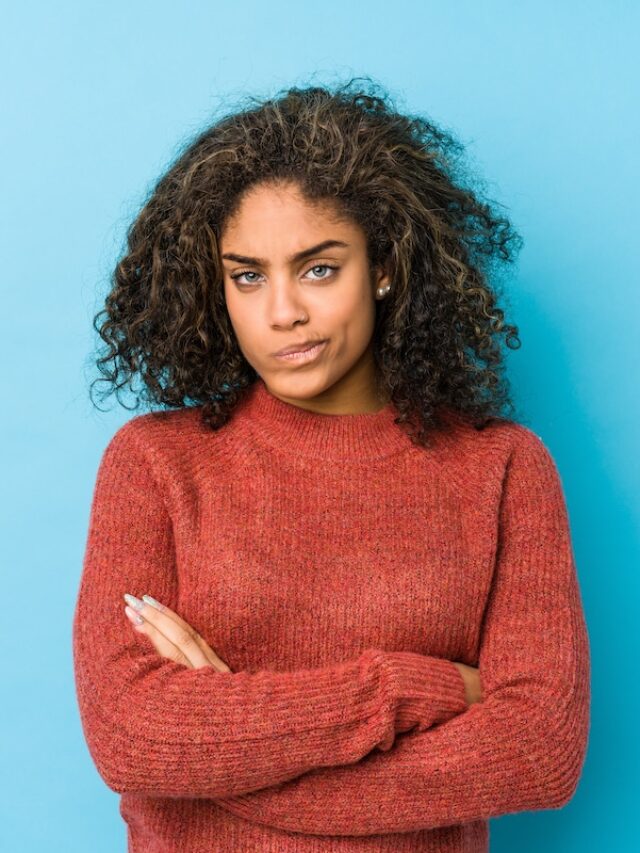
point(292, 429)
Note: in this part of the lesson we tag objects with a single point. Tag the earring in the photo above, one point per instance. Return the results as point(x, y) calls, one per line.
point(382, 291)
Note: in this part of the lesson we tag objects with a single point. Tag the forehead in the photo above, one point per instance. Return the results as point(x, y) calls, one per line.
point(270, 207)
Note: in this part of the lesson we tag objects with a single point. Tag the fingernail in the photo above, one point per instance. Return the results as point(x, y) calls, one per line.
point(152, 602)
point(133, 601)
point(133, 616)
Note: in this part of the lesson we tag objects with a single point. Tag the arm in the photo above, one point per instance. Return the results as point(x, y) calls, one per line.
point(520, 749)
point(157, 727)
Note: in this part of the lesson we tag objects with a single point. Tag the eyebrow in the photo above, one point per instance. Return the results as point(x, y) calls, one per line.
point(298, 256)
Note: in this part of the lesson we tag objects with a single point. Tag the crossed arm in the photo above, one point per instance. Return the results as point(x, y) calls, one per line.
point(523, 747)
point(380, 744)
point(155, 727)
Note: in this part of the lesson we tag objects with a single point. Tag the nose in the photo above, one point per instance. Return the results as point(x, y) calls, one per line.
point(285, 302)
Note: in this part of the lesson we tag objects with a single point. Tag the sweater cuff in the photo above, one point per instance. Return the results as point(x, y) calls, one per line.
point(431, 690)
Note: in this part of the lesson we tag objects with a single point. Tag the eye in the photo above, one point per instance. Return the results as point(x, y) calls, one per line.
point(323, 267)
point(238, 275)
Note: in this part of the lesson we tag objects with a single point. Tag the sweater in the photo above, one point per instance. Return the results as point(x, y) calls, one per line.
point(339, 570)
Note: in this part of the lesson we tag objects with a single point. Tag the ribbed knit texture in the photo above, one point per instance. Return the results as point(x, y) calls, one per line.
point(338, 569)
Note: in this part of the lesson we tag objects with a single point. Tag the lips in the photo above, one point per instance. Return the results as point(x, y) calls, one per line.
point(303, 357)
point(306, 345)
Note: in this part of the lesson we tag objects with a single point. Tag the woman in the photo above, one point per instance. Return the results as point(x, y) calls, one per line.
point(355, 616)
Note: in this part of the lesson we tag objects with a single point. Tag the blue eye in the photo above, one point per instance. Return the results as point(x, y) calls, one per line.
point(324, 267)
point(238, 275)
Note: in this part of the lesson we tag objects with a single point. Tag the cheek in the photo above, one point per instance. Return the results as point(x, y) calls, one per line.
point(242, 320)
point(353, 309)
point(357, 316)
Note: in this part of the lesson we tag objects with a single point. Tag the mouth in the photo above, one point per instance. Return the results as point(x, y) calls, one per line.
point(303, 356)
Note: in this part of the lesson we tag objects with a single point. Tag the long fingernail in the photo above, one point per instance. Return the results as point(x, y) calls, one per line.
point(133, 601)
point(152, 602)
point(133, 616)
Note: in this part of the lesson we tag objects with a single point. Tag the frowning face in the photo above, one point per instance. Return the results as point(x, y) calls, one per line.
point(294, 272)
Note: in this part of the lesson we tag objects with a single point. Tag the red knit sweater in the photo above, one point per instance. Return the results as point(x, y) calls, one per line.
point(338, 570)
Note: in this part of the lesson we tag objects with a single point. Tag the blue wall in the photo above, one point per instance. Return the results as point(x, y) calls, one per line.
point(97, 97)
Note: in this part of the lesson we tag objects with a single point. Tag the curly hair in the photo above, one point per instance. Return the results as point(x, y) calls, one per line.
point(436, 338)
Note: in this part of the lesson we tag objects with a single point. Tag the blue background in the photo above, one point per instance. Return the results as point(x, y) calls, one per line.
point(96, 100)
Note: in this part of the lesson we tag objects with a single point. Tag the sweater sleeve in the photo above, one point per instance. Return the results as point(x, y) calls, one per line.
point(154, 726)
point(523, 746)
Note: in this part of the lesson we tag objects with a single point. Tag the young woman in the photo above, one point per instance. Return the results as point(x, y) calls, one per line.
point(355, 615)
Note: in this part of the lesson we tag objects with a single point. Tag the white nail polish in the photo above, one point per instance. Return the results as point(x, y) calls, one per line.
point(134, 602)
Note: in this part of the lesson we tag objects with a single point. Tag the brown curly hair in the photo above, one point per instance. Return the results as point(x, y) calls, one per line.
point(400, 177)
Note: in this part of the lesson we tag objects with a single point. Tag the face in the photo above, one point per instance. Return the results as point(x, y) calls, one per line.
point(282, 290)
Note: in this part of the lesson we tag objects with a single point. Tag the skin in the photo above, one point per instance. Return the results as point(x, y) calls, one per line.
point(280, 302)
point(283, 302)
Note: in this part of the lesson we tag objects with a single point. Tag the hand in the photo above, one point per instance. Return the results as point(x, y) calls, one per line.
point(170, 635)
point(472, 683)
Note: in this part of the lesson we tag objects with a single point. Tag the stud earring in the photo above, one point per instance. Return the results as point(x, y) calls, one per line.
point(382, 291)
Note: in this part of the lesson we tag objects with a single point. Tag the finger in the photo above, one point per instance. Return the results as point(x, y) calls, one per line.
point(183, 638)
point(213, 659)
point(161, 644)
point(211, 655)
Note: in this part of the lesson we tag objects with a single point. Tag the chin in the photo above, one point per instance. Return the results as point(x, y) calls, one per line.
point(299, 385)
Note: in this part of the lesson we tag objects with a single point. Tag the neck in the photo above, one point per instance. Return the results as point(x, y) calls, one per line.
point(292, 429)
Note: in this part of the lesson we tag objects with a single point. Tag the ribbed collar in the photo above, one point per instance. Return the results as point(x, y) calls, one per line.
point(292, 429)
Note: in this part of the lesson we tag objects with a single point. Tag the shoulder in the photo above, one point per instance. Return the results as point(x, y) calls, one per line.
point(152, 435)
point(153, 456)
point(526, 449)
point(527, 481)
point(168, 427)
point(499, 438)
point(177, 448)
point(480, 460)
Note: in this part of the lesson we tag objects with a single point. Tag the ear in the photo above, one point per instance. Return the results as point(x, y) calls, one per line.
point(381, 278)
